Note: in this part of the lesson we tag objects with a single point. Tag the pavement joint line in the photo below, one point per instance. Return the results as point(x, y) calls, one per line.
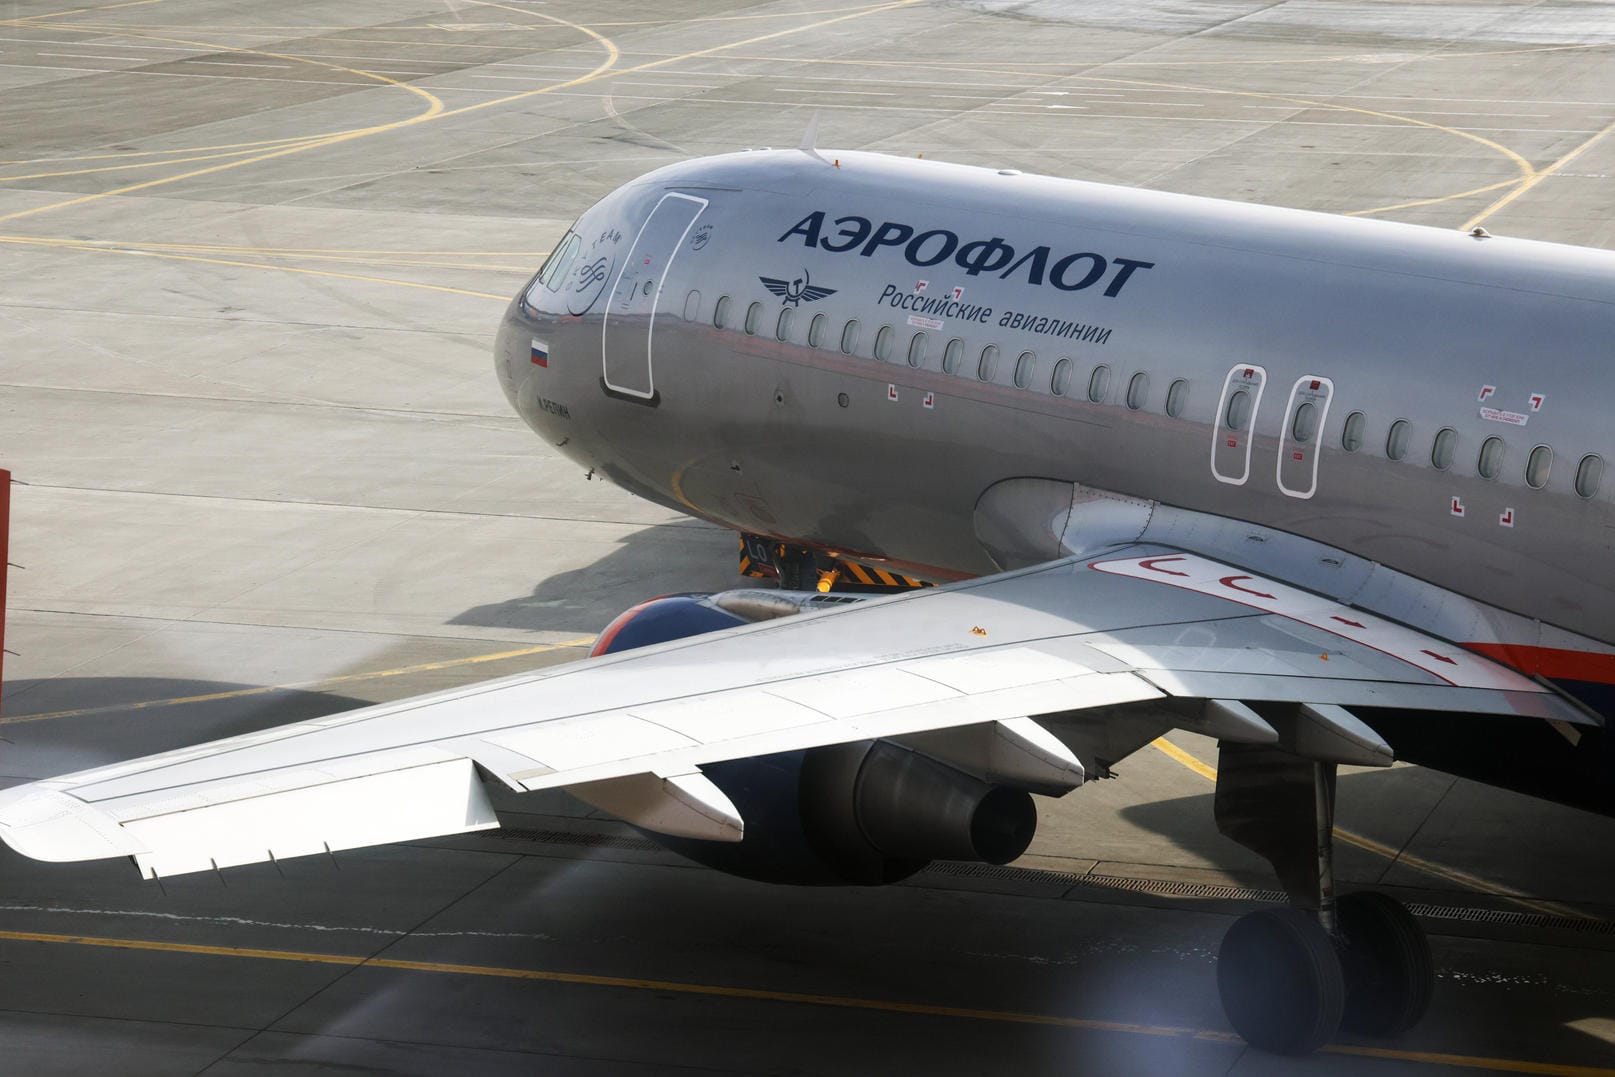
point(1397, 856)
point(346, 678)
point(759, 994)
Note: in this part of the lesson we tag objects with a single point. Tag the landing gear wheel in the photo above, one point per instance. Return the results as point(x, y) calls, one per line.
point(1281, 982)
point(1390, 974)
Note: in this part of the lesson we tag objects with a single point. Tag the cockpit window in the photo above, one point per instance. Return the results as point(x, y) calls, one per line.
point(551, 273)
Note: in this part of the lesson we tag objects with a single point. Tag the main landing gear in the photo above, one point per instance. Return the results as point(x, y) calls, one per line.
point(1291, 978)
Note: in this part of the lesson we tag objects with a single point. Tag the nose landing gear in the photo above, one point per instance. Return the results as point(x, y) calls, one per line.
point(1291, 979)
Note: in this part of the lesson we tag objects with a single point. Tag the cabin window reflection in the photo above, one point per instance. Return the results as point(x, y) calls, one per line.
point(782, 328)
point(1441, 451)
point(883, 343)
point(1177, 395)
point(1351, 435)
point(1138, 391)
point(1305, 424)
point(1023, 369)
point(692, 306)
point(849, 337)
point(1060, 381)
point(720, 313)
point(1491, 458)
point(951, 356)
point(754, 315)
point(816, 331)
point(1099, 384)
point(1590, 475)
point(1239, 411)
point(916, 350)
point(1398, 439)
point(988, 364)
point(1538, 467)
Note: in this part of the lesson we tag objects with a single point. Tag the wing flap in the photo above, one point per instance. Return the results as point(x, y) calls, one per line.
point(429, 800)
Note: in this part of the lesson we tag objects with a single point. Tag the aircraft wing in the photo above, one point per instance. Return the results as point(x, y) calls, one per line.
point(1081, 646)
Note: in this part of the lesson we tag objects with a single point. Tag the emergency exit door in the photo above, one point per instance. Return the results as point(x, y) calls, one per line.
point(629, 326)
point(1304, 417)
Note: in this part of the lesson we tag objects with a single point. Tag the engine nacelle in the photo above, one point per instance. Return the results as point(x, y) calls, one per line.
point(867, 813)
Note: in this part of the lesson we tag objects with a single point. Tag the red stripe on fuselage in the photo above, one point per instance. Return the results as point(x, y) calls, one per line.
point(1555, 663)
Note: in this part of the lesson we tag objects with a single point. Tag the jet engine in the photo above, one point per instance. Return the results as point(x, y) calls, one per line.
point(867, 813)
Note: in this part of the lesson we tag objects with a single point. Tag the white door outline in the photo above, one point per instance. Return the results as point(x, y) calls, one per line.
point(641, 267)
point(1302, 457)
point(1226, 443)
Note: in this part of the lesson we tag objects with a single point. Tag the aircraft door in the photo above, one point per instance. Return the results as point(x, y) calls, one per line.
point(1298, 443)
point(630, 318)
point(1236, 419)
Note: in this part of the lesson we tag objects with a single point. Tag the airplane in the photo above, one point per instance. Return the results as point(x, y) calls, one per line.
point(1332, 491)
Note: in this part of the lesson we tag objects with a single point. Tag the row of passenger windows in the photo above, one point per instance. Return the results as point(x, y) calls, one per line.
point(1303, 425)
point(1488, 461)
point(920, 348)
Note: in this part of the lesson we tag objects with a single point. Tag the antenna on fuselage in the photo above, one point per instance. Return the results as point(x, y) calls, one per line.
point(810, 137)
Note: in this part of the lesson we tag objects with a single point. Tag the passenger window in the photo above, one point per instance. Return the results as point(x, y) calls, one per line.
point(816, 331)
point(883, 343)
point(916, 350)
point(754, 314)
point(1491, 458)
point(1177, 394)
point(1305, 424)
point(1396, 441)
point(989, 362)
point(849, 337)
point(1061, 380)
point(951, 356)
point(1099, 384)
point(1441, 451)
point(1351, 435)
point(720, 313)
point(1538, 467)
point(1239, 410)
point(1138, 391)
point(1589, 475)
point(1023, 369)
point(692, 306)
point(782, 328)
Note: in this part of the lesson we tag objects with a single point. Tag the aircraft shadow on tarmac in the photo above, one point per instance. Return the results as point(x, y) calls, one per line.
point(654, 561)
point(119, 721)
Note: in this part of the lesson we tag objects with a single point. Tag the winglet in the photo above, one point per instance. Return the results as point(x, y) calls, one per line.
point(810, 138)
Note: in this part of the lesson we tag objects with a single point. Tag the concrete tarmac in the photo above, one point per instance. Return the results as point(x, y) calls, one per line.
point(253, 258)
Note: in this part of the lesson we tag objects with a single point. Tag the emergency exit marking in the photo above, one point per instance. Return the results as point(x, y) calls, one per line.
point(1485, 392)
point(929, 401)
point(891, 393)
point(1457, 507)
point(1507, 518)
point(1536, 401)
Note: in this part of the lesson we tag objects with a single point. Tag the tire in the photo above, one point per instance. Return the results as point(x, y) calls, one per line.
point(1281, 982)
point(1390, 975)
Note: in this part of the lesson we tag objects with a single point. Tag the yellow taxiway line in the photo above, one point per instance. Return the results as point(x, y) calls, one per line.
point(1396, 856)
point(760, 994)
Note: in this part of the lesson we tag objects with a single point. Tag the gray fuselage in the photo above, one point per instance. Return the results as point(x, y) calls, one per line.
point(882, 448)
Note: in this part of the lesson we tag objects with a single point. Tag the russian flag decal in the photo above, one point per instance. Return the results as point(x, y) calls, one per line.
point(541, 353)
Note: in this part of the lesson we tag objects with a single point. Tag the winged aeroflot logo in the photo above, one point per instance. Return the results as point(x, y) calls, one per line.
point(796, 291)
